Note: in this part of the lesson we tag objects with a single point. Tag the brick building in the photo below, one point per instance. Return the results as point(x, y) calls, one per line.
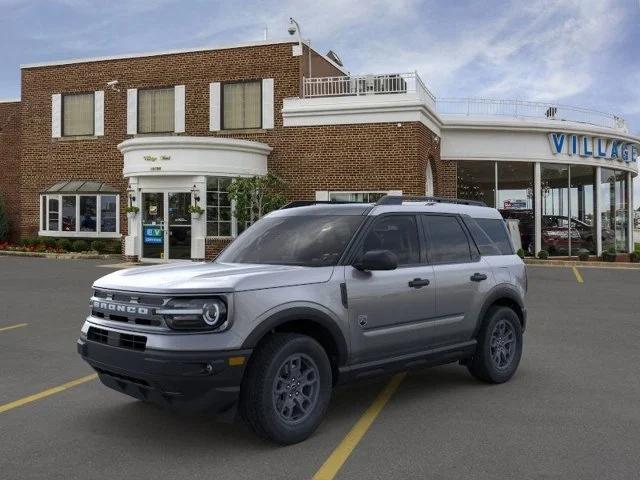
point(161, 131)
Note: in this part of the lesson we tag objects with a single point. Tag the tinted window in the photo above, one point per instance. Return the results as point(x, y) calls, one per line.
point(484, 243)
point(447, 241)
point(497, 232)
point(396, 233)
point(311, 241)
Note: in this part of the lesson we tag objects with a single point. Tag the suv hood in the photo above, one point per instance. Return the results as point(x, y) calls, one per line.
point(206, 277)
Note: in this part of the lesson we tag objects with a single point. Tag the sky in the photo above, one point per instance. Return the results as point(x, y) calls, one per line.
point(576, 52)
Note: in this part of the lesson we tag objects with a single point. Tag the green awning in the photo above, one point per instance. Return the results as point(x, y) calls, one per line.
point(80, 186)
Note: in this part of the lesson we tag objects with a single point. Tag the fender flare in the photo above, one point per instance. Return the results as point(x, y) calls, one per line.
point(503, 291)
point(300, 313)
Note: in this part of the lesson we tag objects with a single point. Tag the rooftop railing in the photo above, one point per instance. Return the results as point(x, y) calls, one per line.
point(478, 107)
point(407, 83)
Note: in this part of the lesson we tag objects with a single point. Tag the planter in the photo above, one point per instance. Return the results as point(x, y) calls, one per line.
point(132, 215)
point(196, 216)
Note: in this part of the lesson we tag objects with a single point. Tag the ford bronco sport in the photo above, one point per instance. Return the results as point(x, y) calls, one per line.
point(311, 295)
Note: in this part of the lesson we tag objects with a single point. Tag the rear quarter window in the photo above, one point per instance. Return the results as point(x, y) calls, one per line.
point(491, 236)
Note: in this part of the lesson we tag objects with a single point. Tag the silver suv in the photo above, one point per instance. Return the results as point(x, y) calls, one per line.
point(312, 295)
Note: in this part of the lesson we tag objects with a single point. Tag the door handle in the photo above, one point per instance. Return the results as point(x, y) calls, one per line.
point(419, 283)
point(478, 277)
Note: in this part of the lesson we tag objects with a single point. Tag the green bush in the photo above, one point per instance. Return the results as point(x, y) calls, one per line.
point(48, 242)
point(4, 221)
point(520, 253)
point(634, 257)
point(114, 246)
point(583, 254)
point(99, 246)
point(79, 246)
point(543, 254)
point(28, 241)
point(64, 244)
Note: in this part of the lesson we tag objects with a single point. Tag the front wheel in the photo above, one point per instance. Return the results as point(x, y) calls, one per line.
point(499, 346)
point(287, 388)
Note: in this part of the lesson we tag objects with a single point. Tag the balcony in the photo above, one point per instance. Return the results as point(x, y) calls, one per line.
point(410, 85)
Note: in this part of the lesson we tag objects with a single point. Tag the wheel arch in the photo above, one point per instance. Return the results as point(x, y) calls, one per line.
point(308, 321)
point(506, 296)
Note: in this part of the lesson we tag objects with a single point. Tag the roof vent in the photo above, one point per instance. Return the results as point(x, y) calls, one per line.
point(334, 57)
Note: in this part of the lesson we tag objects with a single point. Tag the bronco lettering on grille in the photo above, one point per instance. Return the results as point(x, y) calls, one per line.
point(115, 307)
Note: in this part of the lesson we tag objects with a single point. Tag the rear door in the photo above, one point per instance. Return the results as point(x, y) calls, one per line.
point(390, 311)
point(462, 277)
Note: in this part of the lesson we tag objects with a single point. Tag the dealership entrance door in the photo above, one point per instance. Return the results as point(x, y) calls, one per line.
point(166, 226)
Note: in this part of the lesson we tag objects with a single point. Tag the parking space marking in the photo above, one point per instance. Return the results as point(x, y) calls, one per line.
point(577, 274)
point(46, 393)
point(12, 327)
point(334, 463)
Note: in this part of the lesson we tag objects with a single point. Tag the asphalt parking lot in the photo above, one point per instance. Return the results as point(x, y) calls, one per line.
point(572, 411)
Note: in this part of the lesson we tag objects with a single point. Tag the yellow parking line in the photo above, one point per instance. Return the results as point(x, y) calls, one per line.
point(335, 461)
point(577, 274)
point(11, 327)
point(37, 396)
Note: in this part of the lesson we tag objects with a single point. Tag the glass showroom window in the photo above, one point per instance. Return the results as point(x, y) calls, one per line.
point(78, 114)
point(241, 105)
point(78, 215)
point(555, 209)
point(516, 200)
point(614, 190)
point(477, 181)
point(156, 110)
point(219, 218)
point(364, 197)
point(582, 207)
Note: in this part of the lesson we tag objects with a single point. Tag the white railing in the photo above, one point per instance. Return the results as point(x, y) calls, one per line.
point(523, 109)
point(356, 85)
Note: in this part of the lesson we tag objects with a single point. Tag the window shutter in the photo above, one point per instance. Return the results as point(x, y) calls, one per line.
point(56, 115)
point(98, 111)
point(179, 99)
point(214, 106)
point(267, 103)
point(132, 111)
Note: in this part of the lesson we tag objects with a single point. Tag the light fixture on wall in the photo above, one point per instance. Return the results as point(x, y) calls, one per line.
point(132, 195)
point(196, 193)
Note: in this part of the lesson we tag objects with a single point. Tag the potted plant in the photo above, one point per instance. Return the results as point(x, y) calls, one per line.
point(195, 210)
point(132, 211)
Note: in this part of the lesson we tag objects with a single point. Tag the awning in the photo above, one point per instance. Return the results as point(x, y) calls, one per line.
point(80, 186)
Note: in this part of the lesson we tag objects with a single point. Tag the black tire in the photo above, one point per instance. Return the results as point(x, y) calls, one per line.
point(496, 360)
point(268, 396)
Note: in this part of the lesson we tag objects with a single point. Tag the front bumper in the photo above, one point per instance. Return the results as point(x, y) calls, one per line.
point(199, 381)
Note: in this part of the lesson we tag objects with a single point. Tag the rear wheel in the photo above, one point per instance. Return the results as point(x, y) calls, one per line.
point(287, 388)
point(499, 346)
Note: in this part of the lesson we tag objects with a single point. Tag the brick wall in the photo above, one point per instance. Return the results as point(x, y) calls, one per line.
point(10, 162)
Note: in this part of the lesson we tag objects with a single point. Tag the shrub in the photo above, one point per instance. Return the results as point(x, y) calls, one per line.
point(520, 253)
point(64, 244)
point(583, 254)
point(48, 242)
point(543, 254)
point(634, 257)
point(28, 241)
point(79, 246)
point(610, 254)
point(99, 246)
point(114, 246)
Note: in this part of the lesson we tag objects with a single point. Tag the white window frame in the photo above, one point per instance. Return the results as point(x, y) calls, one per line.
point(326, 195)
point(234, 220)
point(44, 222)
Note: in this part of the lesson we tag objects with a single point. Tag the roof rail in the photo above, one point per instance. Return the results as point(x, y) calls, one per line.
point(307, 203)
point(399, 199)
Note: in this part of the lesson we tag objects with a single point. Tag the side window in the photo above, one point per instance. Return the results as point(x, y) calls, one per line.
point(497, 232)
point(448, 242)
point(481, 237)
point(396, 233)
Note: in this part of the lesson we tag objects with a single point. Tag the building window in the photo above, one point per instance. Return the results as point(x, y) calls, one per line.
point(614, 210)
point(219, 211)
point(242, 105)
point(364, 197)
point(156, 110)
point(78, 114)
point(477, 181)
point(78, 215)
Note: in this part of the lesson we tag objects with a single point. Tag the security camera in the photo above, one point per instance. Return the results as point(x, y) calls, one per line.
point(112, 83)
point(291, 29)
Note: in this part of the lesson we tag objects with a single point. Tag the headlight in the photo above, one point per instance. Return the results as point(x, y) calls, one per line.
point(195, 314)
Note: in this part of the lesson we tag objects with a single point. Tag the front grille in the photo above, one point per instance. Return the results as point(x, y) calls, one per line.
point(125, 378)
point(131, 308)
point(115, 339)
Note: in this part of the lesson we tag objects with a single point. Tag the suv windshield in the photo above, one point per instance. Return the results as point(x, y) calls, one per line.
point(310, 241)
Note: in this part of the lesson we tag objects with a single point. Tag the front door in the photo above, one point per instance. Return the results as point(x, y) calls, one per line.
point(166, 226)
point(391, 312)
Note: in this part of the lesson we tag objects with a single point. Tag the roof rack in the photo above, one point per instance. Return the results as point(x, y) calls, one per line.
point(307, 203)
point(398, 200)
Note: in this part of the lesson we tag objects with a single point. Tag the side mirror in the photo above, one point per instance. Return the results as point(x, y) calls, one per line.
point(377, 260)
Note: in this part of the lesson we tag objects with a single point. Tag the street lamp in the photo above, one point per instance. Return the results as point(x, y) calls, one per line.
point(294, 27)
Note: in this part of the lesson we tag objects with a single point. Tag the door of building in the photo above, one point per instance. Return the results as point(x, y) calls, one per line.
point(166, 226)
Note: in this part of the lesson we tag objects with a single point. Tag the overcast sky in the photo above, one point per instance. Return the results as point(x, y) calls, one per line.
point(579, 52)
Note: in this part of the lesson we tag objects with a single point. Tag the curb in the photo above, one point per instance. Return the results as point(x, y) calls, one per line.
point(579, 263)
point(61, 256)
